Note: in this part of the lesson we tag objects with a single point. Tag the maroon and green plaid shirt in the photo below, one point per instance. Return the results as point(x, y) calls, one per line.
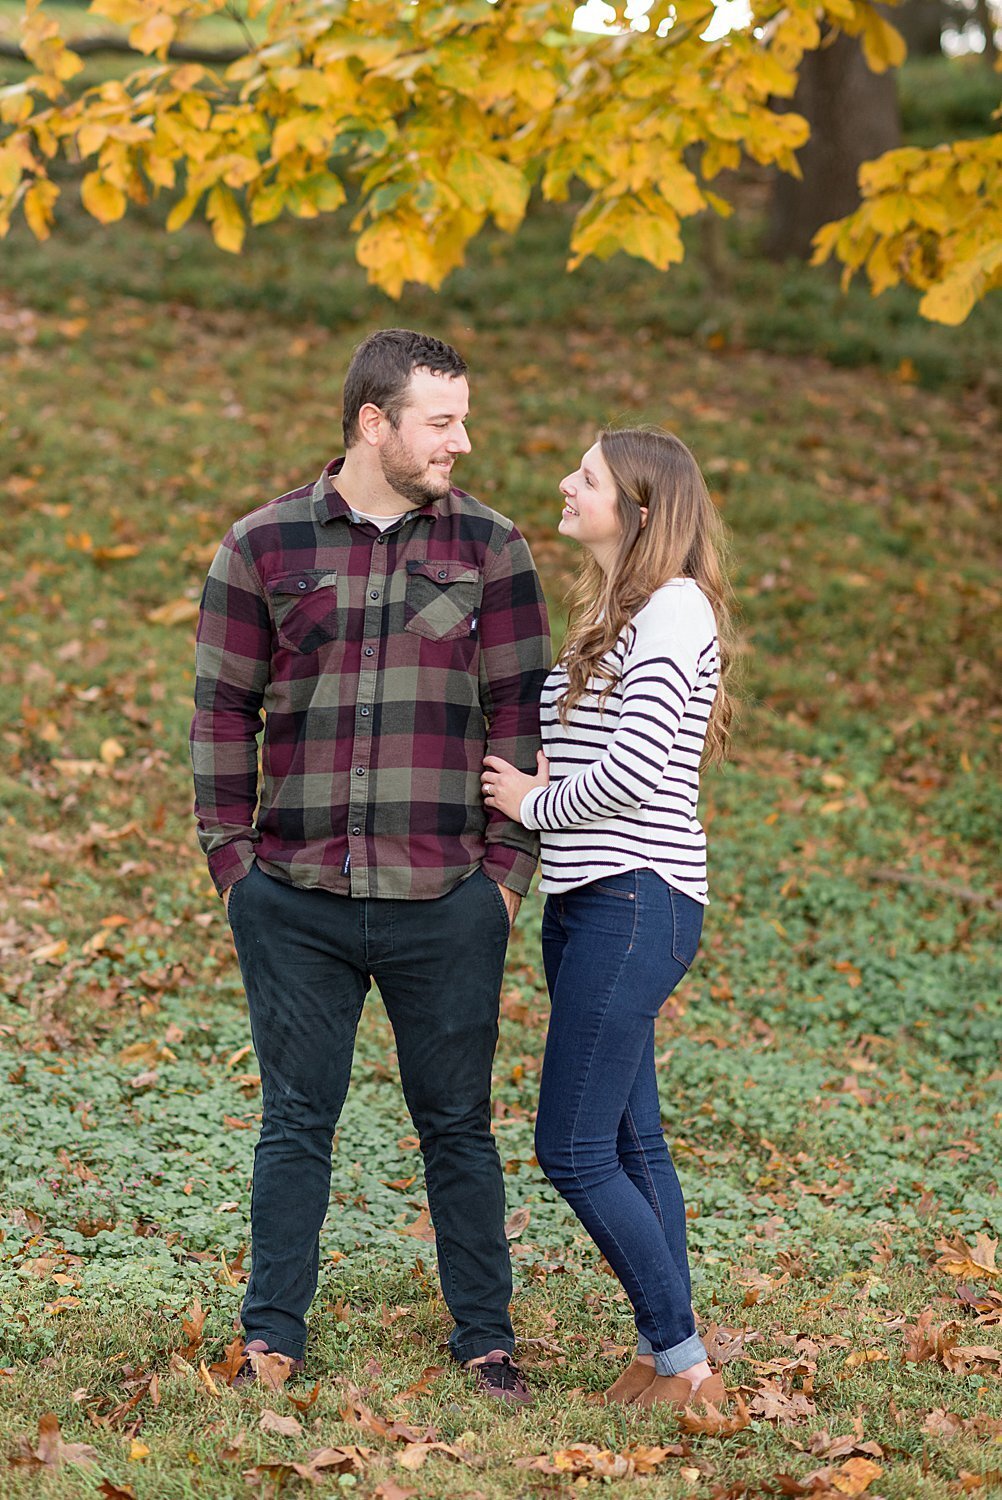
point(384, 666)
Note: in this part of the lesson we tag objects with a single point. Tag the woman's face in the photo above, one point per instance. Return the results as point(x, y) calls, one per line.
point(591, 512)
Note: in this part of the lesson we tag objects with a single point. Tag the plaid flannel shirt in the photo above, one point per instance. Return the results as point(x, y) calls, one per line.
point(385, 666)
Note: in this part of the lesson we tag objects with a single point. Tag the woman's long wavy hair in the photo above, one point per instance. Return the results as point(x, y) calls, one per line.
point(683, 538)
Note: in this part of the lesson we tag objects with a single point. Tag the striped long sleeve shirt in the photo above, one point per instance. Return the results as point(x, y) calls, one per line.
point(625, 777)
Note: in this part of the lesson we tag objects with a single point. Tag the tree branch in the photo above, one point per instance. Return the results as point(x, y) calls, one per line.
point(87, 46)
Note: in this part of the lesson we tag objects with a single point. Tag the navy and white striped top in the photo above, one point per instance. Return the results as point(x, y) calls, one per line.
point(624, 779)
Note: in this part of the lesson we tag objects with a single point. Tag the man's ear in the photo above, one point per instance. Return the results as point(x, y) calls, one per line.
point(370, 423)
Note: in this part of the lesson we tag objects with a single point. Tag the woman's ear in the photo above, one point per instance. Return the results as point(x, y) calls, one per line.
point(643, 517)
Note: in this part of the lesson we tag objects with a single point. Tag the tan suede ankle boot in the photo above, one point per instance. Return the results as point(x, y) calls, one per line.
point(634, 1379)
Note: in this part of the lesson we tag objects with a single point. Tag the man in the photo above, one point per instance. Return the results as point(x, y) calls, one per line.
point(394, 631)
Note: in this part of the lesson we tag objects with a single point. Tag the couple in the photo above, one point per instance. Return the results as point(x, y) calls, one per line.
point(392, 633)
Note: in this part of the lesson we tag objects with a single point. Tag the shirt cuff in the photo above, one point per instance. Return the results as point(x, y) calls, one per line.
point(231, 863)
point(509, 867)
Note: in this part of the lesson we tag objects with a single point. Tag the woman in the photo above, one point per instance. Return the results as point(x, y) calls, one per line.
point(633, 707)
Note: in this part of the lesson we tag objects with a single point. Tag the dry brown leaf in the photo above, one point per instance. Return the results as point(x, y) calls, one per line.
point(303, 1403)
point(232, 1362)
point(51, 1451)
point(862, 1357)
point(421, 1228)
point(321, 1461)
point(193, 1322)
point(517, 1223)
point(271, 1370)
point(231, 1449)
point(270, 1421)
point(957, 1258)
point(856, 1475)
point(390, 1490)
point(206, 1379)
point(424, 1381)
point(177, 612)
point(715, 1422)
point(414, 1454)
point(772, 1404)
point(112, 1491)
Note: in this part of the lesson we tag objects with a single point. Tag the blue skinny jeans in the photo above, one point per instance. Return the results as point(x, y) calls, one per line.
point(613, 951)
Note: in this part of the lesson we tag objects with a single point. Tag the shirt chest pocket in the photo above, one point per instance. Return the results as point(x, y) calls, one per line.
point(304, 608)
point(443, 600)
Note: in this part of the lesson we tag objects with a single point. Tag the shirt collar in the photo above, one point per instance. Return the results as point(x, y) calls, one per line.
point(330, 505)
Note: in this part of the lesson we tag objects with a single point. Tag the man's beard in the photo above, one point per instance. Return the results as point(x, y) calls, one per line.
point(409, 479)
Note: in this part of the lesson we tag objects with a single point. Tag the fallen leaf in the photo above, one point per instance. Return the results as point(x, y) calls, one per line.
point(421, 1228)
point(856, 1475)
point(862, 1357)
point(303, 1403)
point(138, 1451)
point(271, 1370)
point(51, 1451)
point(390, 1490)
point(232, 1362)
point(714, 1422)
point(193, 1323)
point(270, 1421)
point(177, 612)
point(116, 1491)
point(517, 1223)
point(959, 1259)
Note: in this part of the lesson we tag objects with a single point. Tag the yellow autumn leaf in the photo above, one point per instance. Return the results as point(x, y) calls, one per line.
point(182, 212)
point(38, 205)
point(122, 12)
point(949, 302)
point(153, 33)
point(891, 213)
point(883, 45)
point(111, 751)
point(101, 198)
point(223, 213)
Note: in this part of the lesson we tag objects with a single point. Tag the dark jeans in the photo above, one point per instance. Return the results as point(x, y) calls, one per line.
point(613, 951)
point(307, 959)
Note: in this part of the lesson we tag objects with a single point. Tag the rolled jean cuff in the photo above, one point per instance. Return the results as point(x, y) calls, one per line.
point(681, 1357)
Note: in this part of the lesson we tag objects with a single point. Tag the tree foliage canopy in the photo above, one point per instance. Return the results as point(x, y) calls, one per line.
point(443, 114)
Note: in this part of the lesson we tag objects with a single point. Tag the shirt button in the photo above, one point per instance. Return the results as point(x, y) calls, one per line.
point(369, 651)
point(373, 593)
point(356, 832)
point(380, 540)
point(359, 770)
point(302, 583)
point(364, 712)
point(443, 574)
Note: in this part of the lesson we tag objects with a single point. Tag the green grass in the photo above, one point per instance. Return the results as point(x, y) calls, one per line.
point(829, 1071)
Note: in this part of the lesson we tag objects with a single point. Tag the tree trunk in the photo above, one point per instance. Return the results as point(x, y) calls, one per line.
point(920, 22)
point(986, 20)
point(853, 115)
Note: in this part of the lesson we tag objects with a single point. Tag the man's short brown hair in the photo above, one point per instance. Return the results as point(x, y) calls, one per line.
point(381, 367)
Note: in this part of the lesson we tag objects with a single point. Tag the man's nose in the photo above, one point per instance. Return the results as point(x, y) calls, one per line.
point(460, 441)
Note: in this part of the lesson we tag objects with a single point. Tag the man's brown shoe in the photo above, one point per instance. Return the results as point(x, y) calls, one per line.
point(634, 1379)
point(499, 1377)
point(673, 1390)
